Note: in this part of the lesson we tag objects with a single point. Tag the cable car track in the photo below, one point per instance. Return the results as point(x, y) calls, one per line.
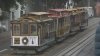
point(82, 34)
point(74, 43)
point(71, 51)
point(49, 52)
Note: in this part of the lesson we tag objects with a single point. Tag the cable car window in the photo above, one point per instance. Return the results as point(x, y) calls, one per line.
point(33, 29)
point(25, 28)
point(65, 21)
point(39, 30)
point(61, 21)
point(52, 26)
point(16, 29)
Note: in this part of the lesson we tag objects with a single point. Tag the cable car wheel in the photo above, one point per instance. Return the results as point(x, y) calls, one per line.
point(25, 40)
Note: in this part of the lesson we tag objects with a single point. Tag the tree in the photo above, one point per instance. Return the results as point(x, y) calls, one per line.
point(5, 5)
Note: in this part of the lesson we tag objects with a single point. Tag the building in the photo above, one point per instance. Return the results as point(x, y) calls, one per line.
point(16, 13)
point(97, 8)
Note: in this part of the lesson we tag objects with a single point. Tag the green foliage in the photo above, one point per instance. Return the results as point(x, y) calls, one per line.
point(77, 1)
point(20, 1)
point(4, 16)
point(5, 5)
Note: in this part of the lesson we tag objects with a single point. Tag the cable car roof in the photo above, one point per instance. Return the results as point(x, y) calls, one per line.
point(57, 10)
point(63, 10)
point(39, 13)
point(70, 9)
point(54, 16)
point(36, 18)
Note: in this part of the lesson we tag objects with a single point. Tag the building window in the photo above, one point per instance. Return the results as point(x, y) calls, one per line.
point(21, 13)
point(13, 16)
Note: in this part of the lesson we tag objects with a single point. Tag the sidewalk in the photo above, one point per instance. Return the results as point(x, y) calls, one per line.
point(5, 34)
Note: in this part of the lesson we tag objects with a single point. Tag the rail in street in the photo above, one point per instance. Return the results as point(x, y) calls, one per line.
point(72, 46)
point(77, 46)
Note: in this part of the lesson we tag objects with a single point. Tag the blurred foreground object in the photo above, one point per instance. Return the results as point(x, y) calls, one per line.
point(97, 8)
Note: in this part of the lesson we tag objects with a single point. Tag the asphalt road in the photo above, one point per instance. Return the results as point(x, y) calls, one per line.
point(88, 50)
point(78, 47)
point(4, 42)
point(5, 50)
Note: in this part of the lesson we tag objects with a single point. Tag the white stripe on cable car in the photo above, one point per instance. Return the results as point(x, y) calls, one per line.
point(3, 50)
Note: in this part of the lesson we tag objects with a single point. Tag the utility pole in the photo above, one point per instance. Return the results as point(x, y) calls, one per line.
point(25, 5)
point(88, 3)
point(46, 5)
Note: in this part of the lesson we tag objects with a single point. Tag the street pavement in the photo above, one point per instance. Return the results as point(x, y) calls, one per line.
point(4, 41)
point(89, 50)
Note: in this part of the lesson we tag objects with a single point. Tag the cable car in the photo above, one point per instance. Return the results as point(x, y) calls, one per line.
point(33, 31)
point(83, 18)
point(62, 23)
point(39, 30)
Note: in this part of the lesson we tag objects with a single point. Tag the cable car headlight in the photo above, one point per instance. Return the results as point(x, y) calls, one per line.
point(25, 40)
